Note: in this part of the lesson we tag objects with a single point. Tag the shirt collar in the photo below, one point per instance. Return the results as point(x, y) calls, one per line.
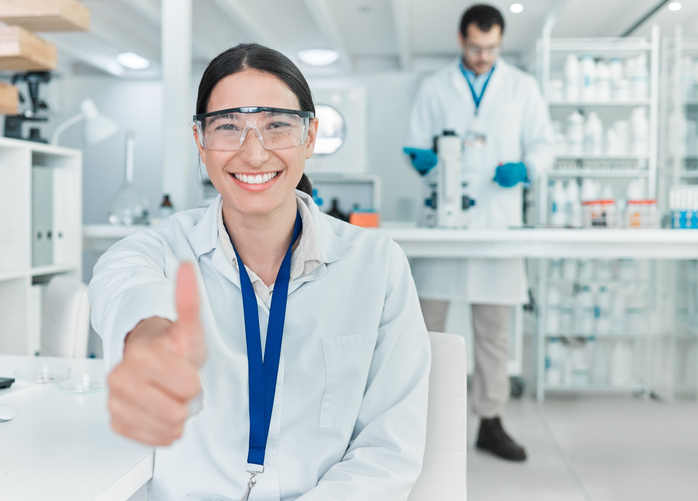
point(470, 74)
point(204, 236)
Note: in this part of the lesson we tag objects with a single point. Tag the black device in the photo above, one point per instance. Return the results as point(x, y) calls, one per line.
point(6, 382)
point(13, 123)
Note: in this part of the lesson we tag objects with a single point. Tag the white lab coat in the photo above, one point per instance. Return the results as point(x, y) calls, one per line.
point(349, 418)
point(514, 119)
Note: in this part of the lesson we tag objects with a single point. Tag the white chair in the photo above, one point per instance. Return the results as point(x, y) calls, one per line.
point(443, 476)
point(65, 318)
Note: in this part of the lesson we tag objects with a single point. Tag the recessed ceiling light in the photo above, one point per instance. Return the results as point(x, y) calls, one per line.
point(132, 61)
point(318, 57)
point(675, 6)
point(516, 8)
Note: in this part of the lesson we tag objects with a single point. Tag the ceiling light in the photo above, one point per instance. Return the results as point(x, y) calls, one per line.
point(675, 6)
point(318, 57)
point(132, 61)
point(516, 8)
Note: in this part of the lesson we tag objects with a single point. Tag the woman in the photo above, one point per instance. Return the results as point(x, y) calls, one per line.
point(335, 411)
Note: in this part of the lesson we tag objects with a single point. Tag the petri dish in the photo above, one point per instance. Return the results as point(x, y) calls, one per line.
point(45, 374)
point(86, 384)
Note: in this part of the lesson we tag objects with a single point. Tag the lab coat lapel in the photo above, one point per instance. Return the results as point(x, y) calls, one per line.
point(489, 98)
point(461, 86)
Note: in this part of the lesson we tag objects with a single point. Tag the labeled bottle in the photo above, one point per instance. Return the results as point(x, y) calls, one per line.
point(335, 212)
point(166, 207)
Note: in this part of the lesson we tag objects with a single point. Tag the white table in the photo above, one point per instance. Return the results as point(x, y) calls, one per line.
point(60, 447)
point(526, 243)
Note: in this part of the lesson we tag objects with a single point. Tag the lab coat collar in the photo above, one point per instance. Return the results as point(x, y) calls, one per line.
point(459, 83)
point(203, 239)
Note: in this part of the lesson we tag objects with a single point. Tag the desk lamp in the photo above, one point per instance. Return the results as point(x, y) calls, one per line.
point(96, 128)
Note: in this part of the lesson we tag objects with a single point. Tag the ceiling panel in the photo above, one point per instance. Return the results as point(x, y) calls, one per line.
point(367, 26)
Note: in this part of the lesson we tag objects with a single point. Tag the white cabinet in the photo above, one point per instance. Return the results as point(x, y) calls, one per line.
point(50, 217)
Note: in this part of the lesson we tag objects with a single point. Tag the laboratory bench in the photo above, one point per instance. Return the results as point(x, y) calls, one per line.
point(60, 446)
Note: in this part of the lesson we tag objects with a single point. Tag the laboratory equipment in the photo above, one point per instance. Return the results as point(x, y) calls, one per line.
point(6, 413)
point(447, 188)
point(585, 311)
point(554, 307)
point(85, 384)
point(13, 123)
point(603, 311)
point(588, 70)
point(43, 374)
point(128, 206)
point(572, 75)
point(554, 360)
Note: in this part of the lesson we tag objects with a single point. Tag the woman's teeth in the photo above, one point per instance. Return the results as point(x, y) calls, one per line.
point(258, 179)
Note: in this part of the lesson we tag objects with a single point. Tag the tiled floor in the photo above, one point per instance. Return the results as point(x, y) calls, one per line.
point(592, 448)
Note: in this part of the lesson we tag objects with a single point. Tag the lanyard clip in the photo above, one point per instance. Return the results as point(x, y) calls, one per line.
point(253, 470)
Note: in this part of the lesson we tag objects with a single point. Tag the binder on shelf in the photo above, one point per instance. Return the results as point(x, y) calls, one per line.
point(42, 216)
point(61, 250)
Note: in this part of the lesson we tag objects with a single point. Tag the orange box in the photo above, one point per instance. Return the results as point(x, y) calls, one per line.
point(366, 219)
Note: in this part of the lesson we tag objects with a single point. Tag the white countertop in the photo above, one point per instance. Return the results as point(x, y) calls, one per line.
point(59, 446)
point(523, 242)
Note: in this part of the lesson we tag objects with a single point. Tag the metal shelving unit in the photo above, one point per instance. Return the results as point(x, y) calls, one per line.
point(679, 104)
point(616, 167)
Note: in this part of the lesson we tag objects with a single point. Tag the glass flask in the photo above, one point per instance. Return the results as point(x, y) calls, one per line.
point(128, 206)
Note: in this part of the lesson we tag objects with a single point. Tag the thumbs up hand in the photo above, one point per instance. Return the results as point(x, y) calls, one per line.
point(149, 391)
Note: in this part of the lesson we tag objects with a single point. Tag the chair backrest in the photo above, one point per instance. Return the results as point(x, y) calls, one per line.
point(443, 476)
point(65, 318)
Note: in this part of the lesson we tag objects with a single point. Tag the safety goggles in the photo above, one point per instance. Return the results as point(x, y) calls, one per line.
point(276, 128)
point(477, 50)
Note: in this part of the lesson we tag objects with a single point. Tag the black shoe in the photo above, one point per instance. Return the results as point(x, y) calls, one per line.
point(493, 438)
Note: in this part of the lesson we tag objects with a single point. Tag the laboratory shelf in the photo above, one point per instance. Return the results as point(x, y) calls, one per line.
point(602, 158)
point(614, 173)
point(599, 104)
point(595, 388)
point(585, 46)
point(53, 269)
point(688, 174)
point(597, 283)
point(596, 335)
point(11, 275)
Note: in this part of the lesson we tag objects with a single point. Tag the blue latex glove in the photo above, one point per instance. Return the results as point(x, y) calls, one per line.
point(422, 160)
point(511, 174)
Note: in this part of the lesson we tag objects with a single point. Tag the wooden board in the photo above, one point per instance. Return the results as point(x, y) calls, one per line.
point(45, 15)
point(9, 99)
point(22, 50)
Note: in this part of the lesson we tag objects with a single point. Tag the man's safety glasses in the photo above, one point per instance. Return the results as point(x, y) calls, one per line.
point(276, 128)
point(476, 50)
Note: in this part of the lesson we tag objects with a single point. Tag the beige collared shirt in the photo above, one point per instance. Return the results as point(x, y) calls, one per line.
point(304, 260)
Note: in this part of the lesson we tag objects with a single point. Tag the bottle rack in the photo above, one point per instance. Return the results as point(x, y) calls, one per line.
point(26, 263)
point(616, 168)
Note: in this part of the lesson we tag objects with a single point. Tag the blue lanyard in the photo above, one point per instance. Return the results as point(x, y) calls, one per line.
point(477, 98)
point(263, 374)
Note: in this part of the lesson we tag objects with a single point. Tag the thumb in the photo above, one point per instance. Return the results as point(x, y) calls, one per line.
point(187, 296)
point(187, 331)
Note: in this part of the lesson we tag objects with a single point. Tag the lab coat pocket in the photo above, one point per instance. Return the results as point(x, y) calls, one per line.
point(347, 360)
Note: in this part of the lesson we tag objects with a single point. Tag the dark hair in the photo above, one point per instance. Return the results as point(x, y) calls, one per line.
point(252, 56)
point(484, 17)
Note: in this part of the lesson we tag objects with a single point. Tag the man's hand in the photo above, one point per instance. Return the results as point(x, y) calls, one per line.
point(149, 391)
point(511, 174)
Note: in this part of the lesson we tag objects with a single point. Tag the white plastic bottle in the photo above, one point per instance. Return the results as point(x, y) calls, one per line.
point(598, 362)
point(588, 69)
point(572, 79)
point(554, 357)
point(640, 79)
point(603, 311)
point(586, 311)
point(621, 364)
point(573, 204)
point(639, 131)
point(616, 69)
point(604, 88)
point(557, 205)
point(575, 134)
point(593, 135)
point(554, 301)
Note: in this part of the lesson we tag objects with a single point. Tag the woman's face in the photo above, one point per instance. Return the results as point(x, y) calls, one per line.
point(226, 168)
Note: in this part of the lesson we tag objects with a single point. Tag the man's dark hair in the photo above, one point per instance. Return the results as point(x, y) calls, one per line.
point(484, 17)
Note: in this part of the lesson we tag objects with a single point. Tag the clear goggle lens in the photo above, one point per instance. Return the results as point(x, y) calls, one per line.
point(275, 129)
